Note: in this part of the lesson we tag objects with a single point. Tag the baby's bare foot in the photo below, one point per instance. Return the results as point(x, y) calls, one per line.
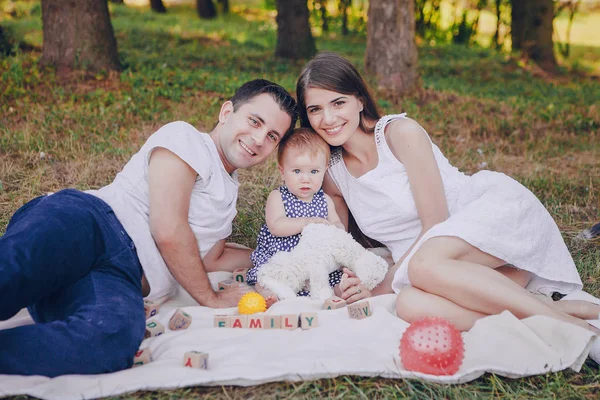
point(269, 296)
point(270, 300)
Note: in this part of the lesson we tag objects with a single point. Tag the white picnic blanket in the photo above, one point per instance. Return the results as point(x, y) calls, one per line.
point(501, 344)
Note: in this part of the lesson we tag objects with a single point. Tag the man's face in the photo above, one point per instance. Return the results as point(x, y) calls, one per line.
point(249, 135)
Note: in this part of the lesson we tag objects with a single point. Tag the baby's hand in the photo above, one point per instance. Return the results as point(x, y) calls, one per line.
point(316, 220)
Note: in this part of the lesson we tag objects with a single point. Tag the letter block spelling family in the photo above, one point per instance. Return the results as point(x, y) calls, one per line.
point(307, 320)
point(222, 321)
point(272, 322)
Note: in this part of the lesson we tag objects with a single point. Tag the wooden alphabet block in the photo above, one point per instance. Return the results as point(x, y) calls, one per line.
point(239, 275)
point(272, 322)
point(333, 303)
point(239, 321)
point(289, 321)
point(228, 283)
point(154, 328)
point(222, 321)
point(308, 320)
point(180, 320)
point(151, 308)
point(141, 357)
point(256, 322)
point(196, 359)
point(359, 310)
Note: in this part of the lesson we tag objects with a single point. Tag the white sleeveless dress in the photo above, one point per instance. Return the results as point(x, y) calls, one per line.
point(489, 210)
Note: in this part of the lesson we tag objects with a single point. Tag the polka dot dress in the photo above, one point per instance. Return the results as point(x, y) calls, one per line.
point(267, 244)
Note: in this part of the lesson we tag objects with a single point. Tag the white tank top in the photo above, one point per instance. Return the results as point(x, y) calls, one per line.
point(381, 200)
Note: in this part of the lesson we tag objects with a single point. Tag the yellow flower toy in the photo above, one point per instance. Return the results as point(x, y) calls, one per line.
point(251, 303)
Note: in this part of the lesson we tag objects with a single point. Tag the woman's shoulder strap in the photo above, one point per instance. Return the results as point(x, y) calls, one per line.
point(382, 123)
point(336, 156)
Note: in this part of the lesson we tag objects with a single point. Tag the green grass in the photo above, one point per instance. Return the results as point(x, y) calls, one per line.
point(478, 105)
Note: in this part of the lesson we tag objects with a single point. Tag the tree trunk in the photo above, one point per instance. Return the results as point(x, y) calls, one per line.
point(225, 6)
point(344, 5)
point(158, 6)
point(5, 44)
point(78, 34)
point(517, 23)
point(294, 38)
point(496, 38)
point(534, 37)
point(391, 53)
point(324, 17)
point(206, 9)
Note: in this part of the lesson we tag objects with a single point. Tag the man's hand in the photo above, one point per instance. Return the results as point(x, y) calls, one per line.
point(229, 297)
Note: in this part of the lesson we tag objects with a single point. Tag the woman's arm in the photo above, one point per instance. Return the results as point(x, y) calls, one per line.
point(339, 205)
point(412, 147)
point(332, 215)
point(277, 221)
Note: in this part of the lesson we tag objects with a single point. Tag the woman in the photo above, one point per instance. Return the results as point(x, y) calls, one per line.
point(464, 246)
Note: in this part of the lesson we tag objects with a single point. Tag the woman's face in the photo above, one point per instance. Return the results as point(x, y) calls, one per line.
point(334, 116)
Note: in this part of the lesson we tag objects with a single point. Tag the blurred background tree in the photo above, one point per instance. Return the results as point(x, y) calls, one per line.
point(158, 6)
point(523, 27)
point(78, 34)
point(391, 53)
point(294, 36)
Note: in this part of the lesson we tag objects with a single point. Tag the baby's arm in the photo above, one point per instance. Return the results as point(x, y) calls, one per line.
point(281, 225)
point(332, 215)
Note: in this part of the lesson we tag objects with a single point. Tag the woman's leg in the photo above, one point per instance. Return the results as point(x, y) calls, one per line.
point(578, 308)
point(413, 304)
point(453, 269)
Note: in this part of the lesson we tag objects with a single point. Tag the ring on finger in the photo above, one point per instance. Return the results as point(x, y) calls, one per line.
point(358, 290)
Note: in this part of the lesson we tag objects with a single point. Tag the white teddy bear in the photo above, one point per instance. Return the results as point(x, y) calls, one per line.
point(321, 250)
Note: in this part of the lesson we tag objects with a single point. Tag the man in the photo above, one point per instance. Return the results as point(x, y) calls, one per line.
point(82, 262)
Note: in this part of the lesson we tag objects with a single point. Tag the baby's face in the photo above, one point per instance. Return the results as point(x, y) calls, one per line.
point(302, 173)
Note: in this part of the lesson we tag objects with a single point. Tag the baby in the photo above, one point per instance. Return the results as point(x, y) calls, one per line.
point(303, 157)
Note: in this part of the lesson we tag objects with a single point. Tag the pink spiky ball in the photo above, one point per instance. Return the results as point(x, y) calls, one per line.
point(432, 346)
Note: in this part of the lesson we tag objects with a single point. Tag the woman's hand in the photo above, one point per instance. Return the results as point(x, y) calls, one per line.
point(351, 288)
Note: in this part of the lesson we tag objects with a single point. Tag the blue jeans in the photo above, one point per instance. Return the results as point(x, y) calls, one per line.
point(69, 260)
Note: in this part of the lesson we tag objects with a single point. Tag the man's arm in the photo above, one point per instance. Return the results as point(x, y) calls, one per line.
point(170, 182)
